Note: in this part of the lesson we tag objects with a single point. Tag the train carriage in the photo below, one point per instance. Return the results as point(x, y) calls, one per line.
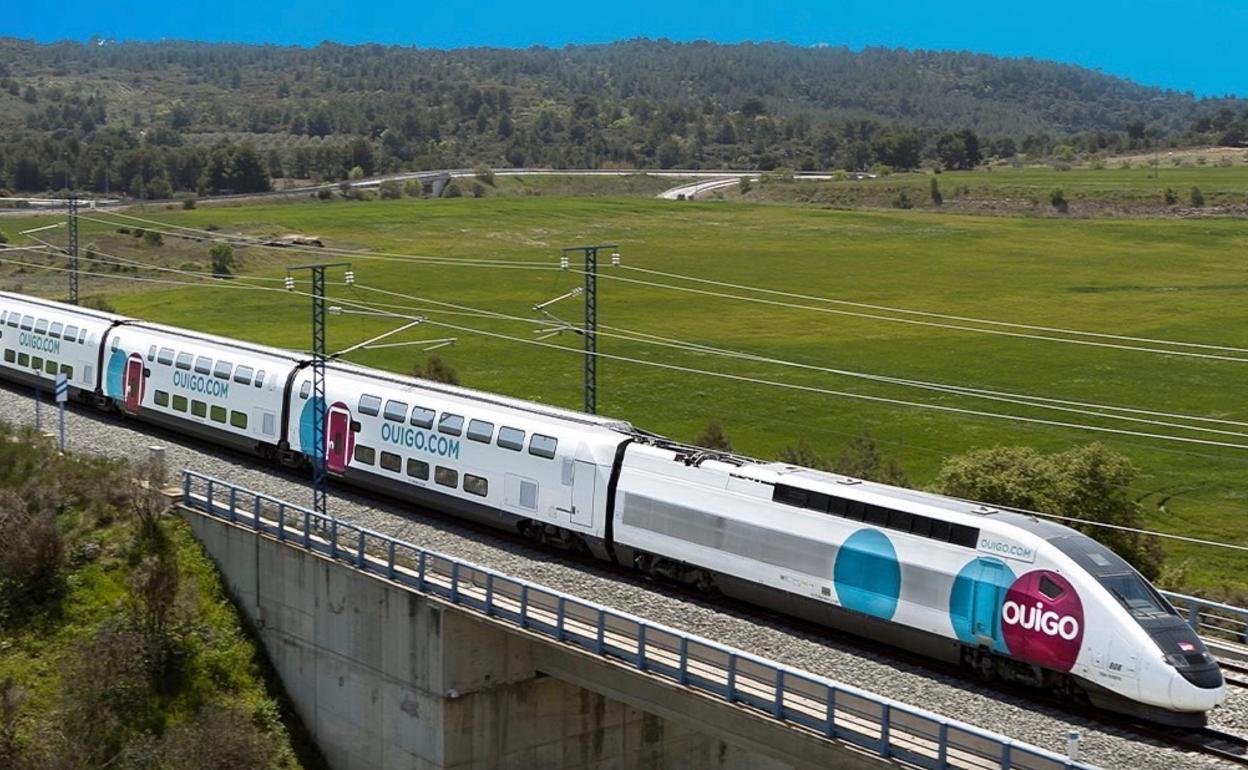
point(40, 340)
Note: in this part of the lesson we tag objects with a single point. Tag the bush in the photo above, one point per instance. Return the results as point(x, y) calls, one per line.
point(34, 550)
point(3, 238)
point(902, 201)
point(324, 194)
point(1171, 197)
point(138, 232)
point(713, 437)
point(803, 455)
point(862, 460)
point(222, 256)
point(478, 190)
point(437, 370)
point(189, 203)
point(414, 188)
point(390, 190)
point(484, 174)
point(744, 185)
point(1198, 198)
point(937, 198)
point(1058, 199)
point(452, 190)
point(153, 238)
point(123, 230)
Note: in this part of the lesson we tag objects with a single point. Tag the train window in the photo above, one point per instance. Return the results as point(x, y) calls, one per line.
point(116, 343)
point(543, 446)
point(50, 367)
point(422, 417)
point(818, 501)
point(239, 420)
point(836, 506)
point(82, 336)
point(218, 414)
point(480, 430)
point(68, 371)
point(370, 405)
point(1049, 588)
point(222, 370)
point(4, 314)
point(41, 326)
point(962, 535)
point(151, 353)
point(855, 509)
point(391, 462)
point(475, 485)
point(180, 403)
point(876, 515)
point(259, 383)
point(36, 362)
point(511, 438)
point(305, 389)
point(161, 398)
point(396, 411)
point(10, 356)
point(418, 469)
point(28, 322)
point(70, 333)
point(940, 530)
point(13, 320)
point(203, 365)
point(184, 361)
point(922, 526)
point(242, 375)
point(451, 424)
point(365, 455)
point(783, 493)
point(199, 408)
point(23, 359)
point(447, 477)
point(55, 330)
point(165, 356)
point(900, 520)
point(1134, 594)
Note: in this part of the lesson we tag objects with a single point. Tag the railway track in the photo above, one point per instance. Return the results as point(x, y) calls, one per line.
point(1234, 672)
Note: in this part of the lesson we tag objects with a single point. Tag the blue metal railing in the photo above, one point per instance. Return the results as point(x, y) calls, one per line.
point(1212, 619)
point(836, 711)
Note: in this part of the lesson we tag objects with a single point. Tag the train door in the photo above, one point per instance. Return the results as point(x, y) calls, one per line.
point(134, 384)
point(337, 438)
point(584, 490)
point(990, 587)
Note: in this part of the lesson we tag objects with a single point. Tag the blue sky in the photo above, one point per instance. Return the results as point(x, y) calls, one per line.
point(1190, 46)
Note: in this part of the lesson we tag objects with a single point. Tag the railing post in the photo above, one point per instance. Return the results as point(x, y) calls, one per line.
point(333, 538)
point(256, 505)
point(684, 660)
point(732, 677)
point(489, 594)
point(211, 509)
point(307, 529)
point(359, 557)
point(1005, 755)
point(942, 747)
point(524, 605)
point(420, 571)
point(777, 708)
point(600, 636)
point(886, 720)
point(1193, 616)
point(829, 728)
point(390, 559)
point(560, 610)
point(281, 521)
point(186, 488)
point(455, 582)
point(641, 646)
point(233, 504)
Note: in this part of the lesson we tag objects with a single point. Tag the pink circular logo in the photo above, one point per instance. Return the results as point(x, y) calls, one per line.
point(1042, 620)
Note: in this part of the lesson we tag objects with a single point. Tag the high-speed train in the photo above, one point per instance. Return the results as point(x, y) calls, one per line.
point(1007, 594)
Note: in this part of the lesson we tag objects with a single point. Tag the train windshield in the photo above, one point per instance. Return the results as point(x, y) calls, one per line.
point(1137, 596)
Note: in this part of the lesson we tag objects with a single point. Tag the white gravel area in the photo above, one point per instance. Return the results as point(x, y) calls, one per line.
point(835, 656)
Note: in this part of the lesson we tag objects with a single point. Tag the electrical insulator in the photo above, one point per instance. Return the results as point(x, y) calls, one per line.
point(350, 278)
point(615, 259)
point(563, 262)
point(290, 283)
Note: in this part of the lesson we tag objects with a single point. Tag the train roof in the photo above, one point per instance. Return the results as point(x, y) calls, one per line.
point(64, 307)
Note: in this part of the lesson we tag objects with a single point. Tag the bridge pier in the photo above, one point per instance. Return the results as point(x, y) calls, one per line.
point(385, 678)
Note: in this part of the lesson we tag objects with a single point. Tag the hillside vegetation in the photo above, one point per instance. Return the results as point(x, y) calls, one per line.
point(118, 646)
point(151, 119)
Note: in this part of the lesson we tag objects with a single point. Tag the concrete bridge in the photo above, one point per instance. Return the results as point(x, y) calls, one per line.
point(397, 657)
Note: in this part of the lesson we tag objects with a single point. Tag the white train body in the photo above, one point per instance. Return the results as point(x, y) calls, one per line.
point(1024, 598)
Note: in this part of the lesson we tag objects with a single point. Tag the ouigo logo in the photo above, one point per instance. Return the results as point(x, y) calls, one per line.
point(1042, 619)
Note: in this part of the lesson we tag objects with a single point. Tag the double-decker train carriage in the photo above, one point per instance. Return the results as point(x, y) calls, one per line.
point(1003, 593)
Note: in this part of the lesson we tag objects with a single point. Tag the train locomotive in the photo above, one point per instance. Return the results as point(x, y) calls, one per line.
point(1007, 594)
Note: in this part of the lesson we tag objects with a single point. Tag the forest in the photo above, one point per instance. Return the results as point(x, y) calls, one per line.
point(154, 119)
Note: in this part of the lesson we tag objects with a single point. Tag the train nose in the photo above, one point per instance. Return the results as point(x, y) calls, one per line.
point(1197, 689)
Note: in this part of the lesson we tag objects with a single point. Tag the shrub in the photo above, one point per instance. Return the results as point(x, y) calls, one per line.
point(803, 455)
point(1058, 199)
point(414, 188)
point(222, 255)
point(862, 460)
point(437, 370)
point(452, 190)
point(744, 185)
point(478, 190)
point(3, 238)
point(123, 230)
point(902, 201)
point(484, 174)
point(1171, 197)
point(324, 194)
point(713, 437)
point(138, 232)
point(153, 238)
point(189, 203)
point(1198, 198)
point(33, 547)
point(937, 198)
point(390, 190)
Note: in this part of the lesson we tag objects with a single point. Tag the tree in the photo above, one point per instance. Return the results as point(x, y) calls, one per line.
point(1058, 199)
point(934, 188)
point(713, 437)
point(744, 185)
point(153, 238)
point(862, 460)
point(1089, 482)
point(390, 190)
point(1198, 198)
point(222, 255)
point(437, 370)
point(484, 174)
point(1171, 197)
point(803, 455)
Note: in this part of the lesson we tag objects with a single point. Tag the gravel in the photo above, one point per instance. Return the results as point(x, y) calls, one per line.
point(838, 657)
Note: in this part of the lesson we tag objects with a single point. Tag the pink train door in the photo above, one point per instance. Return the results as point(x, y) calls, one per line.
point(134, 383)
point(338, 438)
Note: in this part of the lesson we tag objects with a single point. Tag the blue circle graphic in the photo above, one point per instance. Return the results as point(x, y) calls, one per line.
point(975, 602)
point(867, 575)
point(114, 374)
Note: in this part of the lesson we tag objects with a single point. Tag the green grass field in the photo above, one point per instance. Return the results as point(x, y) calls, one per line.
point(1164, 278)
